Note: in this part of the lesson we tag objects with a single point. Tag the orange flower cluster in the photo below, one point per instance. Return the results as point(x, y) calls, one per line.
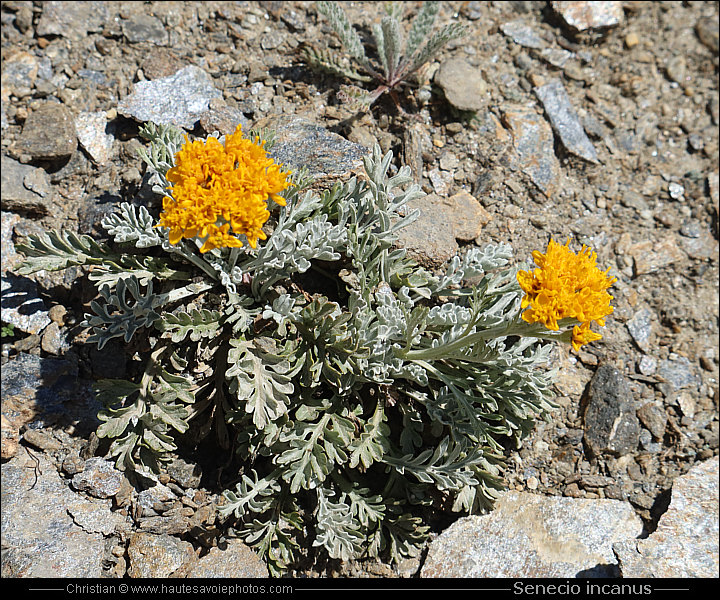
point(566, 286)
point(218, 188)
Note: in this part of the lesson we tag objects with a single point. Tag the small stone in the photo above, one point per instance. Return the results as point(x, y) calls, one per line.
point(676, 68)
point(235, 560)
point(179, 100)
point(647, 365)
point(222, 118)
point(185, 474)
point(157, 498)
point(557, 57)
point(707, 31)
point(95, 135)
point(687, 405)
point(565, 121)
point(522, 34)
point(463, 84)
point(640, 328)
point(632, 40)
point(440, 181)
point(48, 133)
point(468, 216)
point(582, 16)
point(651, 256)
point(42, 439)
point(677, 372)
point(654, 419)
point(610, 423)
point(145, 28)
point(98, 478)
point(57, 314)
point(53, 340)
point(155, 556)
point(534, 144)
point(19, 70)
point(676, 191)
point(7, 254)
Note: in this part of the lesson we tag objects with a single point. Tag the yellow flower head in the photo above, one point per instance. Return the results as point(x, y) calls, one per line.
point(566, 286)
point(216, 188)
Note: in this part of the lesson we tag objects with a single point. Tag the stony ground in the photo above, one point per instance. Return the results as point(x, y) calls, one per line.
point(630, 170)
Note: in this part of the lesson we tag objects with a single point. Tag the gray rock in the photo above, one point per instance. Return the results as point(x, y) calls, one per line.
point(564, 120)
point(145, 28)
point(95, 516)
point(54, 340)
point(156, 499)
point(223, 118)
point(610, 423)
point(24, 188)
point(534, 144)
point(557, 57)
point(430, 239)
point(521, 33)
point(95, 135)
point(185, 474)
point(179, 100)
point(166, 524)
point(20, 70)
point(529, 535)
point(72, 19)
point(21, 306)
point(301, 142)
point(685, 543)
point(676, 371)
point(157, 555)
point(647, 365)
point(99, 478)
point(49, 133)
point(440, 181)
point(39, 537)
point(640, 328)
point(7, 249)
point(236, 560)
point(462, 84)
point(582, 16)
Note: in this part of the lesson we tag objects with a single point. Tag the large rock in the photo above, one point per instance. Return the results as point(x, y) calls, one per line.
point(39, 536)
point(685, 544)
point(24, 188)
point(528, 535)
point(158, 555)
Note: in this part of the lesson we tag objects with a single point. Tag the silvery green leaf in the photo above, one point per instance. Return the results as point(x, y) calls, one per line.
point(422, 26)
point(197, 324)
point(336, 529)
point(373, 442)
point(260, 379)
point(255, 495)
point(132, 225)
point(393, 45)
point(59, 250)
point(334, 13)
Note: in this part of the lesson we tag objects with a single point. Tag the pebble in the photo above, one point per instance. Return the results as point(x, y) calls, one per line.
point(677, 373)
point(533, 141)
point(48, 133)
point(440, 181)
point(145, 28)
point(654, 419)
point(582, 16)
point(234, 560)
point(463, 84)
point(19, 70)
point(557, 57)
point(707, 32)
point(180, 99)
point(565, 121)
point(99, 478)
point(632, 40)
point(187, 474)
point(522, 34)
point(647, 365)
point(609, 420)
point(468, 216)
point(95, 135)
point(54, 340)
point(529, 535)
point(649, 256)
point(640, 328)
point(685, 543)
